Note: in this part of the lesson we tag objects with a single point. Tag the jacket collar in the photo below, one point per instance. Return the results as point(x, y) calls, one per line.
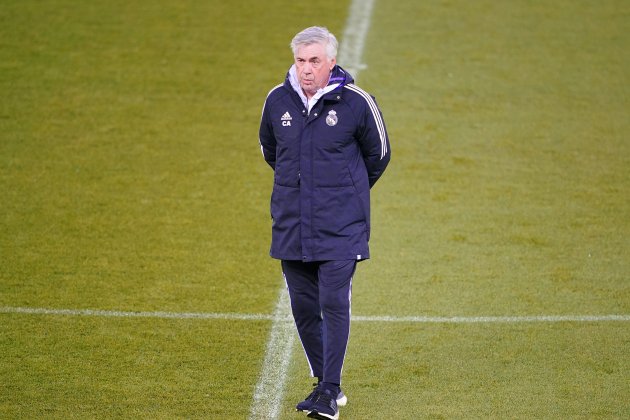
point(338, 78)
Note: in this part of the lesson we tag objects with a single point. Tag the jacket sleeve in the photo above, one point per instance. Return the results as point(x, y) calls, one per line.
point(266, 137)
point(374, 141)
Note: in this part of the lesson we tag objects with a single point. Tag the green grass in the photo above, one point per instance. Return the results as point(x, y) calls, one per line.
point(482, 371)
point(131, 180)
point(511, 193)
point(120, 368)
point(129, 159)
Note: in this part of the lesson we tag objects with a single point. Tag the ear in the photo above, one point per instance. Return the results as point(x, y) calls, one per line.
point(333, 62)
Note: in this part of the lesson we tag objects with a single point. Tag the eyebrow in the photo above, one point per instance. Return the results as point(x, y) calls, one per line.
point(309, 59)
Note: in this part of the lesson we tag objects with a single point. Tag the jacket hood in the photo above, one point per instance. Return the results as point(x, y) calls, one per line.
point(339, 75)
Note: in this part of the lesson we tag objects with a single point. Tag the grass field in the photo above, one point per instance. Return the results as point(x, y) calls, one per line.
point(132, 180)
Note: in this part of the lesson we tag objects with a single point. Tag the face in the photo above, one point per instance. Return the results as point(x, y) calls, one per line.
point(313, 67)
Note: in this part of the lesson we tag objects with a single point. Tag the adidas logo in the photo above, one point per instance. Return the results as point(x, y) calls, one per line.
point(286, 119)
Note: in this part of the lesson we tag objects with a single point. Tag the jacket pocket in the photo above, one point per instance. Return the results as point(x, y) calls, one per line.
point(285, 206)
point(285, 216)
point(338, 212)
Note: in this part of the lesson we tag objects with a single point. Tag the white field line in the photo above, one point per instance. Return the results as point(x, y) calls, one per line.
point(283, 316)
point(491, 319)
point(270, 387)
point(130, 314)
point(350, 54)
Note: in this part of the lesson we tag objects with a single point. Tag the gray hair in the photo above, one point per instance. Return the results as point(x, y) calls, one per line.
point(316, 35)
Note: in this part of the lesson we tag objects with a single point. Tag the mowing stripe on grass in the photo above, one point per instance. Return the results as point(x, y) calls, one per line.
point(285, 317)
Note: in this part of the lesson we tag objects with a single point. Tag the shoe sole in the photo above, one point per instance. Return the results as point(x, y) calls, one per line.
point(341, 402)
point(319, 416)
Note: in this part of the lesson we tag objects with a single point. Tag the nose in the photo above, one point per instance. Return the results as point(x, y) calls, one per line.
point(307, 68)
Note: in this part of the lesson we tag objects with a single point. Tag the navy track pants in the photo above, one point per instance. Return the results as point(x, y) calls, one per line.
point(320, 294)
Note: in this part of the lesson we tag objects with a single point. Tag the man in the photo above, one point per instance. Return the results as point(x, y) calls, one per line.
point(326, 141)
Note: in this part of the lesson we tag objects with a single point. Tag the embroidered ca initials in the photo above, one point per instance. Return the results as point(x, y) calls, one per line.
point(286, 119)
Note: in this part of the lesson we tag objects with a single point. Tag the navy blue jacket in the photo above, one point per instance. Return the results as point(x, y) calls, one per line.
point(325, 161)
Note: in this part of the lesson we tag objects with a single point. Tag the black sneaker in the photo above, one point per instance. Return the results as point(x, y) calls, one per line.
point(325, 407)
point(310, 400)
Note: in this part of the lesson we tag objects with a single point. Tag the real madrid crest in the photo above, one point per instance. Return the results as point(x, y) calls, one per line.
point(332, 119)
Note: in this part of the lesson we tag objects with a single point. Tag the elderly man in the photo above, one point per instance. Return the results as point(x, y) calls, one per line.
point(326, 141)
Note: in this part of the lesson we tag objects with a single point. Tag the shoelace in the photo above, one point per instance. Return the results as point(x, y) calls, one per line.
point(326, 399)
